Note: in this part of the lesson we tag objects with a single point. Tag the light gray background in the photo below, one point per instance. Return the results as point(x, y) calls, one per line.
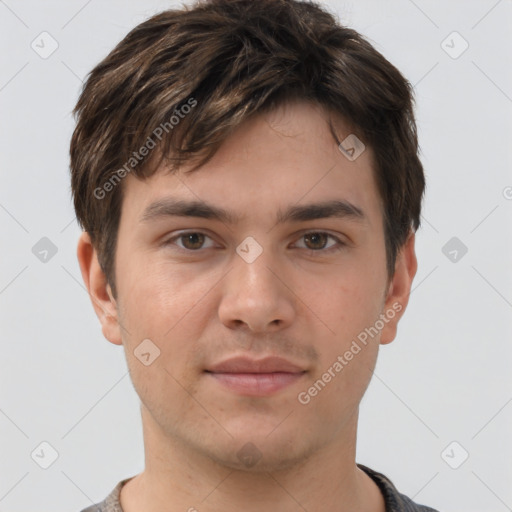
point(445, 378)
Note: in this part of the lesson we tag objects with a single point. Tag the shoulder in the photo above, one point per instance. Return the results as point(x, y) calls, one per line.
point(395, 501)
point(111, 503)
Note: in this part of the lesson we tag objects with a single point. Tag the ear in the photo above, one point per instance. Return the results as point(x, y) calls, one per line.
point(399, 289)
point(99, 290)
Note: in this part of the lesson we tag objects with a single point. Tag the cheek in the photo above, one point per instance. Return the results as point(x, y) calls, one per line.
point(346, 302)
point(348, 307)
point(168, 306)
point(162, 305)
point(347, 356)
point(158, 295)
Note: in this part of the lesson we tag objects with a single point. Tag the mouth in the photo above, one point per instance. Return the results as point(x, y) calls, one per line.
point(251, 377)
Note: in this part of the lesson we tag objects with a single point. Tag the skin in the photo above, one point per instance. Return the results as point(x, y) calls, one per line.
point(297, 300)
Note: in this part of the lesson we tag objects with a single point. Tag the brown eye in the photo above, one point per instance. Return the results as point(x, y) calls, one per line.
point(320, 243)
point(316, 240)
point(192, 240)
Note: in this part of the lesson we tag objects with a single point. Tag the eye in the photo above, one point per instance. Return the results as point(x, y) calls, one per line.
point(191, 241)
point(316, 241)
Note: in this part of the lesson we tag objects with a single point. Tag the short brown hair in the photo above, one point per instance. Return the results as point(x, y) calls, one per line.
point(235, 59)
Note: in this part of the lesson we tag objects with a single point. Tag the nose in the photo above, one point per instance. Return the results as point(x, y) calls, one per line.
point(256, 296)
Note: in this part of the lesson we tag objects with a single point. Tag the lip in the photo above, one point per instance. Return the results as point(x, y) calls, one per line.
point(246, 364)
point(256, 377)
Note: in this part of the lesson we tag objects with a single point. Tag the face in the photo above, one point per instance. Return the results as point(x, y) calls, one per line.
point(263, 304)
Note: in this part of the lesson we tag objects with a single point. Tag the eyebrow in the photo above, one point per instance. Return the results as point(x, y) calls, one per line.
point(169, 207)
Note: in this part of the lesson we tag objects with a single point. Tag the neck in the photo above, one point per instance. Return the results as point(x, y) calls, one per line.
point(177, 477)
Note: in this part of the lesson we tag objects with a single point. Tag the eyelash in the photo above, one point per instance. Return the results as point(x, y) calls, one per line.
point(337, 247)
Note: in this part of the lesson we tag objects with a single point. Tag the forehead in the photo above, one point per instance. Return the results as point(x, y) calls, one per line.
point(282, 157)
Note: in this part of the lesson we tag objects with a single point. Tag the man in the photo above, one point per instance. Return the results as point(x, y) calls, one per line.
point(247, 177)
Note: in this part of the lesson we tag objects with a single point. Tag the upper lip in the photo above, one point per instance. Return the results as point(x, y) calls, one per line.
point(249, 365)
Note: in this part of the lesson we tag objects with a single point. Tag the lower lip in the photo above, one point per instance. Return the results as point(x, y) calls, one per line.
point(257, 384)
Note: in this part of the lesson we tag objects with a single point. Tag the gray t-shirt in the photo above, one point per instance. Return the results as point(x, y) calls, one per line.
point(395, 502)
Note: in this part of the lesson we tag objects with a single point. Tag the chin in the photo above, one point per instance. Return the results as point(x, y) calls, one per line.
point(251, 458)
point(262, 451)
